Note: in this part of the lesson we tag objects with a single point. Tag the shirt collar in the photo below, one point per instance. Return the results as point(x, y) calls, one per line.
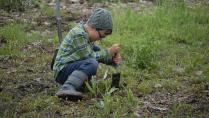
point(81, 24)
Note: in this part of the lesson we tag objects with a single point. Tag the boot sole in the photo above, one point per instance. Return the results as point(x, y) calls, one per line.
point(69, 95)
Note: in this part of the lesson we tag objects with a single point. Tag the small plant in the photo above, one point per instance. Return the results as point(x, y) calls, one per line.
point(142, 57)
point(16, 38)
point(179, 110)
point(145, 87)
point(47, 10)
point(17, 4)
point(117, 114)
point(110, 91)
point(93, 88)
point(106, 104)
point(91, 2)
point(130, 97)
point(171, 3)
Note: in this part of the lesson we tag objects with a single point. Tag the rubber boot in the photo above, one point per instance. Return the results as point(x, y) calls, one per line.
point(71, 85)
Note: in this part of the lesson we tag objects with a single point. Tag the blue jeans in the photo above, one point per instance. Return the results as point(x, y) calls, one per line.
point(88, 66)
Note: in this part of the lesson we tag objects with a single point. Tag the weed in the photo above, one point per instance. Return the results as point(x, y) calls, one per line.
point(5, 97)
point(47, 11)
point(17, 4)
point(93, 88)
point(16, 38)
point(105, 105)
point(130, 98)
point(91, 2)
point(146, 87)
point(181, 109)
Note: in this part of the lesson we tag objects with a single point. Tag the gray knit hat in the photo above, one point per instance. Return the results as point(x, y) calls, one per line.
point(101, 19)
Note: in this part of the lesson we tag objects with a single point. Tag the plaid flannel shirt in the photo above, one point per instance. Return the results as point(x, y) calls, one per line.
point(77, 46)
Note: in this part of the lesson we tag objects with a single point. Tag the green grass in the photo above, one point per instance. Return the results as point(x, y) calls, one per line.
point(151, 36)
point(163, 49)
point(16, 38)
point(179, 110)
point(47, 11)
point(17, 4)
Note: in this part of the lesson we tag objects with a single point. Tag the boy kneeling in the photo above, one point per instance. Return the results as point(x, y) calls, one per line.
point(78, 56)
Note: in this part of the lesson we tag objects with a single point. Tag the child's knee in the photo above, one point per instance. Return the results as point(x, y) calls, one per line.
point(94, 65)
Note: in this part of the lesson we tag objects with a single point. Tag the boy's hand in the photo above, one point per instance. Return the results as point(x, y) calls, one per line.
point(117, 59)
point(114, 49)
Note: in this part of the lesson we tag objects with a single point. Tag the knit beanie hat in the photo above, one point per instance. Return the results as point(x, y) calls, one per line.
point(101, 19)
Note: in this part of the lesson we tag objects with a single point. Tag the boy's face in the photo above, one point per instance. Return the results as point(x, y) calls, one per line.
point(98, 34)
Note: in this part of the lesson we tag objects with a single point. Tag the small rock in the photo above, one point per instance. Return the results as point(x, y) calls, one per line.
point(157, 109)
point(46, 23)
point(38, 79)
point(34, 23)
point(179, 70)
point(64, 7)
point(52, 4)
point(198, 73)
point(25, 20)
point(11, 71)
point(157, 85)
point(137, 114)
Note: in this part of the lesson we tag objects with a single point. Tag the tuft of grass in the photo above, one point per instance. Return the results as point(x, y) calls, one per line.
point(5, 97)
point(150, 86)
point(107, 104)
point(38, 103)
point(17, 4)
point(91, 2)
point(114, 106)
point(145, 87)
point(131, 98)
point(93, 88)
point(104, 107)
point(147, 36)
point(181, 109)
point(16, 37)
point(47, 10)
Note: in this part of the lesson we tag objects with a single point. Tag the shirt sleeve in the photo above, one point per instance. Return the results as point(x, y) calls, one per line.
point(103, 56)
point(82, 48)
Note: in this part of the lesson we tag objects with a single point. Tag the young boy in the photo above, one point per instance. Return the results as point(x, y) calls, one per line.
point(78, 56)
